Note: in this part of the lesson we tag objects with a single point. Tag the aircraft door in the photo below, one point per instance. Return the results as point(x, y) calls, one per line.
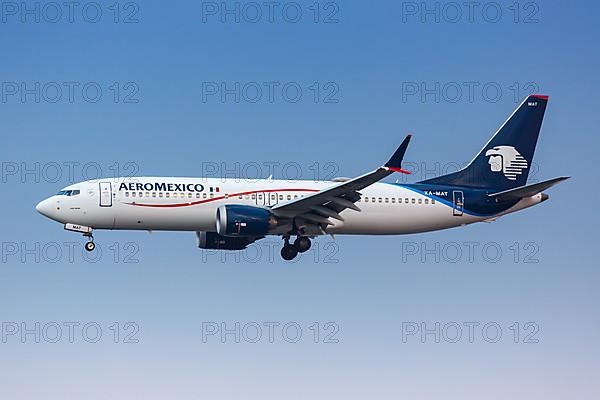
point(105, 194)
point(458, 203)
point(261, 199)
point(271, 198)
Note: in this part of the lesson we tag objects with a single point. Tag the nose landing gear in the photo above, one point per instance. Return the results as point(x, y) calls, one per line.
point(86, 231)
point(89, 245)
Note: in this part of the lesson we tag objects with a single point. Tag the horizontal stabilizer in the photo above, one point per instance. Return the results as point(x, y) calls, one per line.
point(526, 191)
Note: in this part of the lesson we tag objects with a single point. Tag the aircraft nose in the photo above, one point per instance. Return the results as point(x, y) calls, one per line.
point(45, 207)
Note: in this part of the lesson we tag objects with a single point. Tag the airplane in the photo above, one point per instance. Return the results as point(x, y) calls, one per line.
point(230, 214)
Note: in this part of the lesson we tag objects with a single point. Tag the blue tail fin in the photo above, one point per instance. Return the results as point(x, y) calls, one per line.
point(505, 161)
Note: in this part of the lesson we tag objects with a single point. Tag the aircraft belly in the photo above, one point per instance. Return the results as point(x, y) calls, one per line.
point(404, 220)
point(192, 218)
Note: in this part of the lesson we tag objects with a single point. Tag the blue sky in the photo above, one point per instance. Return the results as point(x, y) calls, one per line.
point(357, 68)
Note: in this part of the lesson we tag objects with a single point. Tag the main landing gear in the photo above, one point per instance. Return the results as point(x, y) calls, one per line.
point(290, 251)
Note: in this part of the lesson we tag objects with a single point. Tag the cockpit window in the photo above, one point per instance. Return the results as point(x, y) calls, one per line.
point(68, 192)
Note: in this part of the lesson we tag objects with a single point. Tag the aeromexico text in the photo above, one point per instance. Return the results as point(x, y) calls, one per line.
point(162, 187)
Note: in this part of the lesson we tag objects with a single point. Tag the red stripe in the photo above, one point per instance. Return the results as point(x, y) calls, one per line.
point(402, 171)
point(540, 96)
point(193, 203)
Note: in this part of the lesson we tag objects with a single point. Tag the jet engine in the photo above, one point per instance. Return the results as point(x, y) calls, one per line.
point(214, 241)
point(240, 220)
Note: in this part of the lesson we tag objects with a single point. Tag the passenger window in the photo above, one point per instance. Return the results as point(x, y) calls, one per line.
point(212, 195)
point(147, 194)
point(432, 201)
point(387, 200)
point(197, 195)
point(240, 196)
point(413, 200)
point(189, 195)
point(140, 194)
point(280, 197)
point(153, 194)
point(254, 197)
point(379, 199)
point(366, 199)
point(159, 194)
point(373, 199)
point(167, 195)
point(247, 197)
point(420, 201)
point(426, 201)
point(132, 194)
point(393, 199)
point(289, 196)
point(126, 194)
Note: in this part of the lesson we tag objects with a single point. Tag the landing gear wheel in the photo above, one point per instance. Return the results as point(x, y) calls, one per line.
point(289, 252)
point(302, 244)
point(90, 246)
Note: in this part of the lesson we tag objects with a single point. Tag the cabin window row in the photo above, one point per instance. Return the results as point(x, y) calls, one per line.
point(190, 195)
point(397, 200)
point(167, 195)
point(273, 196)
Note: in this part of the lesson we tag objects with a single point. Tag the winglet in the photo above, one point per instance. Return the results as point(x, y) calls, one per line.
point(394, 163)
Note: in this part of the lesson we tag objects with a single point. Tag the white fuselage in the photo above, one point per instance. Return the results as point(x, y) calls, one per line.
point(190, 204)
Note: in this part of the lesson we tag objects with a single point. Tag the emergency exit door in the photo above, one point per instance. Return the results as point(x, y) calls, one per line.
point(105, 194)
point(458, 201)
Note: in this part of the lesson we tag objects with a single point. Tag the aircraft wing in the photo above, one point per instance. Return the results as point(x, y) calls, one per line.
point(317, 208)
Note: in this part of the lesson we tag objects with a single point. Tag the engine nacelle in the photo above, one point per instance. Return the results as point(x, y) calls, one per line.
point(239, 220)
point(214, 241)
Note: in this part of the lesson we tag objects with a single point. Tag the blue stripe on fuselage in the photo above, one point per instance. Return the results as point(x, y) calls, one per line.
point(475, 200)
